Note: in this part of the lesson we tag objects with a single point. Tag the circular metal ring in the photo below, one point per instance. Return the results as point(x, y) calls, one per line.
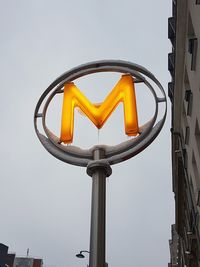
point(113, 154)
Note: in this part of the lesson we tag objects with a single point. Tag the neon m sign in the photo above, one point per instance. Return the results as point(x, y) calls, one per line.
point(124, 91)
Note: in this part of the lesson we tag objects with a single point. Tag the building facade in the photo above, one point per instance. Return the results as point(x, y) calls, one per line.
point(27, 262)
point(10, 260)
point(184, 93)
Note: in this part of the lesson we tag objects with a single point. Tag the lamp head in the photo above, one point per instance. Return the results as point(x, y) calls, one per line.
point(80, 255)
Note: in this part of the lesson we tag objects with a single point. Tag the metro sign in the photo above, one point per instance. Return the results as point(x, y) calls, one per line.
point(123, 92)
point(98, 159)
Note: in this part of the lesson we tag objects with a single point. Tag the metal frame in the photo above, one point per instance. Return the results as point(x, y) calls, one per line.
point(113, 154)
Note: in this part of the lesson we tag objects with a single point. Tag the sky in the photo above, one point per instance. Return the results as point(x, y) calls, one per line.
point(45, 203)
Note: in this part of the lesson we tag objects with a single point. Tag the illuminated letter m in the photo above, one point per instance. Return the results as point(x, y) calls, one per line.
point(124, 91)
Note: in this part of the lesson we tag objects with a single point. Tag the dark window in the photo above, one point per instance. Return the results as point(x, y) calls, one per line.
point(192, 49)
point(197, 2)
point(187, 135)
point(189, 100)
point(195, 171)
point(185, 158)
point(198, 198)
point(196, 218)
point(197, 136)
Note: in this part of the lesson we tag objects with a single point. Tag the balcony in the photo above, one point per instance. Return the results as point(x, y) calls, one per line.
point(171, 63)
point(171, 90)
point(172, 30)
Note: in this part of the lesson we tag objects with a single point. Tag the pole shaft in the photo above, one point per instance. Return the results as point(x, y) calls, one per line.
point(98, 215)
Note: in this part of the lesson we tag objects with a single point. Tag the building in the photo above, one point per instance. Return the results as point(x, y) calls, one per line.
point(174, 244)
point(10, 260)
point(184, 93)
point(27, 262)
point(3, 253)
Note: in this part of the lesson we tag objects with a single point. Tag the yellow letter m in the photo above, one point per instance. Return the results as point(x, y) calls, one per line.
point(124, 91)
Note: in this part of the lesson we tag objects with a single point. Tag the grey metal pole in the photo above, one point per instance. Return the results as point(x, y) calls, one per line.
point(98, 169)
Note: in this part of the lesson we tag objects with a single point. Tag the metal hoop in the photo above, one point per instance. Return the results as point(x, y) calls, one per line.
point(113, 154)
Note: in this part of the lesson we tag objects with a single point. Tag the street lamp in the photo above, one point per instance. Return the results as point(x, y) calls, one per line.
point(80, 254)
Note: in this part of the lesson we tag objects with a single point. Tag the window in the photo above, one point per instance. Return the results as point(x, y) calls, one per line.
point(185, 158)
point(192, 49)
point(192, 191)
point(187, 135)
point(196, 172)
point(189, 100)
point(198, 198)
point(192, 43)
point(197, 135)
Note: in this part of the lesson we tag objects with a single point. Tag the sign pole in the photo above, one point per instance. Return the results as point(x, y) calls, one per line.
point(98, 169)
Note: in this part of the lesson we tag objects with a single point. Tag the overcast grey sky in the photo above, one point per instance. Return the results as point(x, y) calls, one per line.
point(44, 203)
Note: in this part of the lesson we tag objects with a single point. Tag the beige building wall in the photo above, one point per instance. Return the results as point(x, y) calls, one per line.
point(184, 92)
